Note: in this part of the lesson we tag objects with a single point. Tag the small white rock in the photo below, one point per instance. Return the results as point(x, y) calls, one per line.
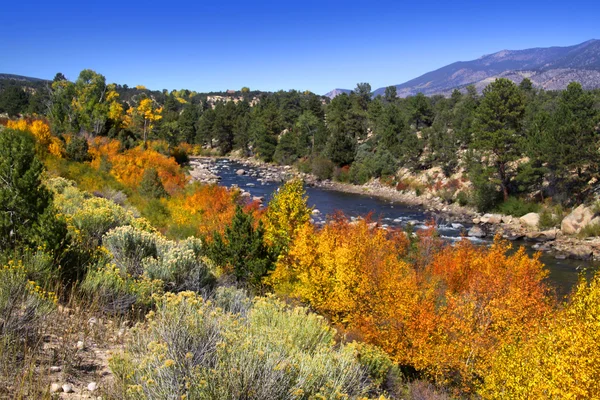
point(55, 369)
point(92, 321)
point(67, 388)
point(80, 345)
point(92, 386)
point(55, 388)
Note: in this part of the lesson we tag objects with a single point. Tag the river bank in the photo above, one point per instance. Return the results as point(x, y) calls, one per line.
point(480, 226)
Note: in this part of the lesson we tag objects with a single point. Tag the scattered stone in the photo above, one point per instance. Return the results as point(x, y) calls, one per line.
point(55, 388)
point(457, 226)
point(240, 172)
point(316, 212)
point(514, 237)
point(92, 321)
point(543, 236)
point(476, 232)
point(67, 388)
point(260, 199)
point(507, 219)
point(530, 220)
point(80, 345)
point(577, 220)
point(491, 219)
point(92, 386)
point(250, 184)
point(581, 252)
point(55, 369)
point(476, 221)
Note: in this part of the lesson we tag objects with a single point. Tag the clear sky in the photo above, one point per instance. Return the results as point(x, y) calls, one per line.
point(271, 45)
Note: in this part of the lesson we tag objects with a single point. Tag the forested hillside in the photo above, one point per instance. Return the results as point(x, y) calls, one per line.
point(509, 141)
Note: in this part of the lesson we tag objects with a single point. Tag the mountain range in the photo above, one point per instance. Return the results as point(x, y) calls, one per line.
point(550, 68)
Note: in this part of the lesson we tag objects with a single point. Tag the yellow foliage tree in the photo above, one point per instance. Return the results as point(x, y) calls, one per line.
point(561, 361)
point(286, 213)
point(147, 113)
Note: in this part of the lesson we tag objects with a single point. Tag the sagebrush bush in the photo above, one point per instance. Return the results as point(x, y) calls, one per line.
point(192, 349)
point(142, 263)
point(88, 217)
point(118, 293)
point(23, 308)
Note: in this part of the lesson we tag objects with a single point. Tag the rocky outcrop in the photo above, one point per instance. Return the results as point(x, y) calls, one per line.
point(531, 220)
point(577, 220)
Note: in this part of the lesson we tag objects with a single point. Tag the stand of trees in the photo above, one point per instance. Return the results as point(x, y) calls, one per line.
point(511, 140)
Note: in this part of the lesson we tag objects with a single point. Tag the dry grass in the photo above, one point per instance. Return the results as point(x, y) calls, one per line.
point(72, 346)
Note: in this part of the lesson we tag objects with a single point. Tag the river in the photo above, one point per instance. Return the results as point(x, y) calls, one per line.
point(563, 274)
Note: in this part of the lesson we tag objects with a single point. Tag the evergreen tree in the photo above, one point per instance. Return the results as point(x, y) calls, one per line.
point(187, 123)
point(78, 149)
point(151, 185)
point(242, 248)
point(498, 128)
point(27, 216)
point(14, 101)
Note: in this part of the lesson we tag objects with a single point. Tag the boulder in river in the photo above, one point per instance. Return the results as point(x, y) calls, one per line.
point(476, 232)
point(543, 236)
point(530, 220)
point(240, 172)
point(491, 219)
point(577, 220)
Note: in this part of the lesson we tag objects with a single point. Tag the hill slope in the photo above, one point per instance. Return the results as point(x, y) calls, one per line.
point(551, 68)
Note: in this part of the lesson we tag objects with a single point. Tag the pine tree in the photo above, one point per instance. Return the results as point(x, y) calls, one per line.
point(242, 248)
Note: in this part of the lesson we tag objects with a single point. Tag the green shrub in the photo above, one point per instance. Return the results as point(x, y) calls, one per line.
point(551, 217)
point(462, 198)
point(151, 185)
point(382, 370)
point(118, 293)
point(517, 207)
point(590, 230)
point(195, 350)
point(342, 174)
point(322, 168)
point(77, 149)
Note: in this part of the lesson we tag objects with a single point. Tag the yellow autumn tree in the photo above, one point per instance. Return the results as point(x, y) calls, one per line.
point(561, 361)
point(286, 213)
point(115, 109)
point(145, 115)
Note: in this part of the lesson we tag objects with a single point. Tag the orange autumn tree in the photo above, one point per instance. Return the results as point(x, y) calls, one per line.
point(484, 298)
point(445, 316)
point(41, 131)
point(206, 208)
point(128, 167)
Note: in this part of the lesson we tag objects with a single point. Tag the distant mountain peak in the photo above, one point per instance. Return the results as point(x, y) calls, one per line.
point(337, 92)
point(551, 68)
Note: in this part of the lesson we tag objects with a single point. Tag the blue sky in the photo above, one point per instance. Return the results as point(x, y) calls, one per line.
point(269, 45)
